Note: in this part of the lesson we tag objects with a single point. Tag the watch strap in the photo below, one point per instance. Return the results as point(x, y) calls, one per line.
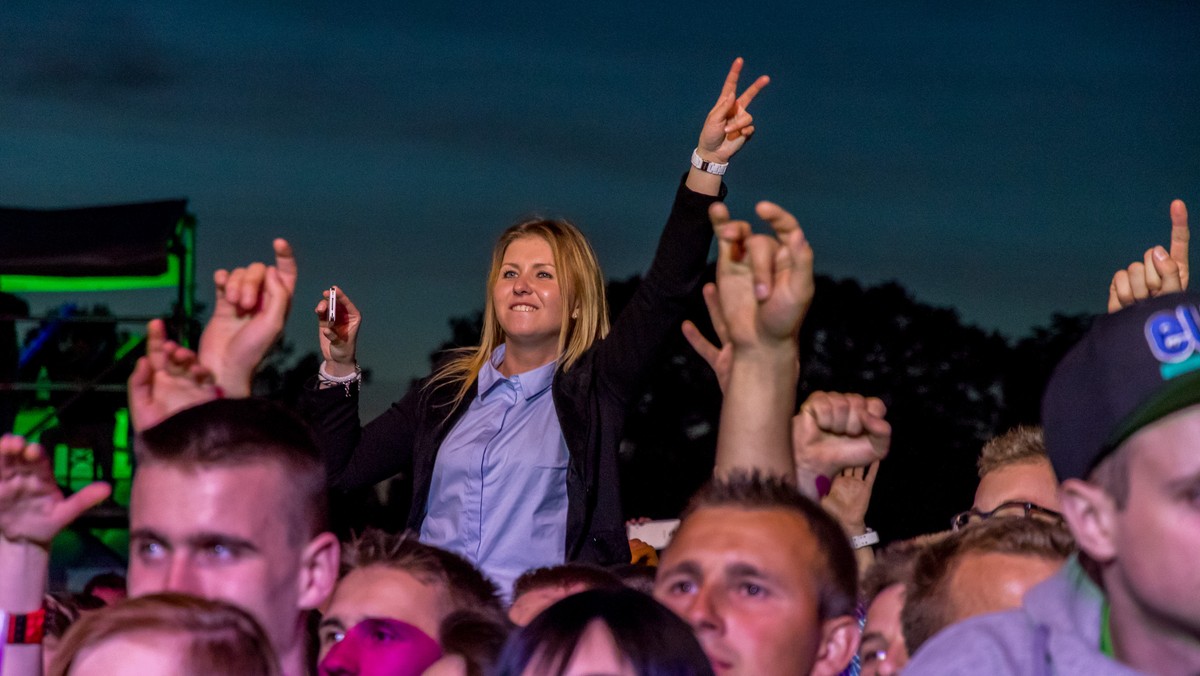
point(865, 540)
point(714, 168)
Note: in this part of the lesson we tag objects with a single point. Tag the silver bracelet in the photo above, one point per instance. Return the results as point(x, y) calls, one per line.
point(344, 381)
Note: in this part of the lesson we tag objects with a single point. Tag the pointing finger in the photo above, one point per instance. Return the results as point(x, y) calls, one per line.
point(285, 262)
point(1180, 235)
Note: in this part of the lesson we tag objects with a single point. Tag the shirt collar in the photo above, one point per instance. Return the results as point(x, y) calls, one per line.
point(530, 384)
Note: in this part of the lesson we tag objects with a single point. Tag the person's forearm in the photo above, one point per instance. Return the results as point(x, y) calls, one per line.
point(235, 380)
point(755, 431)
point(703, 182)
point(23, 567)
point(865, 557)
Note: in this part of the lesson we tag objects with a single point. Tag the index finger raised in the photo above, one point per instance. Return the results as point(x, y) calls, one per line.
point(285, 262)
point(1180, 235)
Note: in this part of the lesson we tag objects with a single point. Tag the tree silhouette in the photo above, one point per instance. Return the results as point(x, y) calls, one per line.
point(1031, 362)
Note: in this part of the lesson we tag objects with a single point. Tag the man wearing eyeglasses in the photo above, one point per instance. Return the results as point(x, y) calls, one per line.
point(1014, 470)
point(1013, 508)
point(1122, 427)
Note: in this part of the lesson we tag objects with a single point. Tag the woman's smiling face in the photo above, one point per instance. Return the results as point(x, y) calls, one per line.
point(526, 296)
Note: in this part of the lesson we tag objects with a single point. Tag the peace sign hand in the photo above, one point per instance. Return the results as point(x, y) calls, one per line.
point(729, 124)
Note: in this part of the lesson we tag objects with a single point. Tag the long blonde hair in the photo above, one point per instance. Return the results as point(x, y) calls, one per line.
point(585, 309)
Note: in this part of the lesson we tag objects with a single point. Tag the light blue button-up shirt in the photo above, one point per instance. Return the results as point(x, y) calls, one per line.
point(499, 489)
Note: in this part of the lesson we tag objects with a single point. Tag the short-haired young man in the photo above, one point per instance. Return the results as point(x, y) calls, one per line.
point(1014, 468)
point(1122, 425)
point(882, 650)
point(983, 568)
point(765, 577)
point(227, 503)
point(393, 576)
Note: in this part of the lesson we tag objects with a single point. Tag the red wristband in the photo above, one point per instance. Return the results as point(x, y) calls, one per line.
point(27, 628)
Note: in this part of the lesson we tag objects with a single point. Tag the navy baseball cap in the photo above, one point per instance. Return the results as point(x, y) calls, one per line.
point(1132, 368)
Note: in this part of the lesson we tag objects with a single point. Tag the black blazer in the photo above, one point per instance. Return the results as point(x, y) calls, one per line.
point(591, 400)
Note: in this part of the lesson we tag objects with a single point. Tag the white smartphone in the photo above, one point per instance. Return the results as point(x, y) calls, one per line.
point(332, 314)
point(657, 534)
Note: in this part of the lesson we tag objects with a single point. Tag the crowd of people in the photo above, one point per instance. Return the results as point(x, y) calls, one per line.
point(1078, 555)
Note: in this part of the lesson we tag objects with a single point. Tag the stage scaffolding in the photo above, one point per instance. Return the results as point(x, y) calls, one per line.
point(87, 251)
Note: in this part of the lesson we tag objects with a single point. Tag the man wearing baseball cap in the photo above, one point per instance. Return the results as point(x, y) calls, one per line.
point(1122, 427)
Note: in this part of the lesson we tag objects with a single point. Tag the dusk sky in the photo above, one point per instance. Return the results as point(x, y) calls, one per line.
point(1000, 158)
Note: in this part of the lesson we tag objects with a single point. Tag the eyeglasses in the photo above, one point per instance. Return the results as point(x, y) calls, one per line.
point(1026, 510)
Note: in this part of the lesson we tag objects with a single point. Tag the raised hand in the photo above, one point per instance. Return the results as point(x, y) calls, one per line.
point(251, 308)
point(167, 380)
point(774, 272)
point(340, 337)
point(32, 508)
point(850, 495)
point(834, 431)
point(729, 124)
point(764, 288)
point(1160, 271)
point(764, 284)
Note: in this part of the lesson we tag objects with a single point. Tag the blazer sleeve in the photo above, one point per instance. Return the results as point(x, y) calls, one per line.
point(657, 307)
point(356, 455)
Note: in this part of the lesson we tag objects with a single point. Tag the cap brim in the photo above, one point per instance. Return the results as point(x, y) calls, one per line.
point(1176, 394)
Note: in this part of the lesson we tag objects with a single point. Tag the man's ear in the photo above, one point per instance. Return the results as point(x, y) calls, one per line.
point(1091, 515)
point(839, 643)
point(318, 570)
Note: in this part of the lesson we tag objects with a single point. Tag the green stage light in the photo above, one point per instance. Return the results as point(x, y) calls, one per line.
point(44, 284)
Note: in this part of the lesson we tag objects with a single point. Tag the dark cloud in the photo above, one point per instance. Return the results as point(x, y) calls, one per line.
point(81, 49)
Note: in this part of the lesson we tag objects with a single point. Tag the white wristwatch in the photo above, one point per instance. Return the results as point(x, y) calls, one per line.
point(715, 168)
point(865, 540)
